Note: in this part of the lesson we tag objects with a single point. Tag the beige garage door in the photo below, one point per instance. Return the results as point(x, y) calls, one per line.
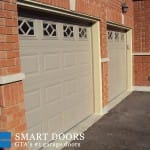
point(117, 63)
point(57, 60)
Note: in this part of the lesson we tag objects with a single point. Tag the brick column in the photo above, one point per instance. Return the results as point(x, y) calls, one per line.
point(12, 111)
point(142, 43)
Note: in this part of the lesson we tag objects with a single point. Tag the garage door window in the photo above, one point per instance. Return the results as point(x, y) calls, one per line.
point(122, 37)
point(26, 26)
point(82, 33)
point(116, 36)
point(110, 35)
point(49, 29)
point(68, 31)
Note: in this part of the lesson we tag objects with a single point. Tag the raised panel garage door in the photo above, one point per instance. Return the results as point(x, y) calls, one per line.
point(117, 63)
point(57, 60)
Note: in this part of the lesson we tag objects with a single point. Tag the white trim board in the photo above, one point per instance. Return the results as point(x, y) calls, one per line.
point(115, 102)
point(141, 54)
point(11, 78)
point(103, 60)
point(72, 5)
point(142, 88)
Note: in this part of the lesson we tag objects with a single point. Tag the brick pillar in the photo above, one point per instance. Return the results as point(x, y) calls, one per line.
point(12, 111)
point(141, 43)
point(104, 54)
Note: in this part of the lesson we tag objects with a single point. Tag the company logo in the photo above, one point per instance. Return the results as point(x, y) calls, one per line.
point(47, 140)
point(5, 140)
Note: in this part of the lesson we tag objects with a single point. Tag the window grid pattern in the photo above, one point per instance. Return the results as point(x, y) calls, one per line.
point(49, 29)
point(82, 33)
point(110, 35)
point(122, 36)
point(68, 31)
point(117, 36)
point(26, 26)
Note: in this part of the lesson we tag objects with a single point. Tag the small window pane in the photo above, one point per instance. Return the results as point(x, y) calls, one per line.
point(110, 35)
point(116, 36)
point(49, 29)
point(20, 32)
point(31, 32)
point(68, 31)
point(65, 34)
point(30, 23)
point(82, 33)
point(45, 33)
point(26, 26)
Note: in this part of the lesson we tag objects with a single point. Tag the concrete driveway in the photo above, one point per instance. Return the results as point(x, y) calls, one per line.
point(126, 127)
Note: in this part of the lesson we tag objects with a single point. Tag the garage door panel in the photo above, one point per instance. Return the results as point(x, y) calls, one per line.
point(58, 78)
point(71, 100)
point(71, 116)
point(117, 64)
point(52, 92)
point(69, 73)
point(33, 114)
point(69, 86)
point(84, 70)
point(36, 129)
point(83, 58)
point(33, 99)
point(55, 124)
point(86, 109)
point(54, 108)
point(51, 61)
point(30, 64)
point(69, 60)
point(47, 78)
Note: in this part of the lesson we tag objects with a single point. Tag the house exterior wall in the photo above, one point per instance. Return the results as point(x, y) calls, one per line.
point(142, 43)
point(12, 111)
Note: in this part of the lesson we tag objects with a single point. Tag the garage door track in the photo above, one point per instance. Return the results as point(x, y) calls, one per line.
point(126, 127)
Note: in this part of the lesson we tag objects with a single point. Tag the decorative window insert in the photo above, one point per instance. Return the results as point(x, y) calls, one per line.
point(82, 33)
point(116, 36)
point(122, 35)
point(26, 26)
point(110, 35)
point(68, 31)
point(49, 29)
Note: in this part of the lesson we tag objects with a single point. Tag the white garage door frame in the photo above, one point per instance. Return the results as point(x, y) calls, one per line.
point(129, 60)
point(95, 40)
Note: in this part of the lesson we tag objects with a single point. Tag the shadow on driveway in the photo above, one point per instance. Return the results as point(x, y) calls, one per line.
point(126, 127)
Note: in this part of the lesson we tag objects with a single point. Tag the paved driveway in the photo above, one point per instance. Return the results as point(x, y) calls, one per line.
point(126, 127)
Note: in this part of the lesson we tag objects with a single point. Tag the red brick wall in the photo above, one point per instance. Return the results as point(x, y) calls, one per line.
point(12, 112)
point(58, 3)
point(141, 42)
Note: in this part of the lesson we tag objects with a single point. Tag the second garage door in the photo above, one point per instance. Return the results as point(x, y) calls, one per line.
point(57, 60)
point(117, 63)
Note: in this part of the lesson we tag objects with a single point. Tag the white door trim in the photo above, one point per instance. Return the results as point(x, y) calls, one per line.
point(97, 71)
